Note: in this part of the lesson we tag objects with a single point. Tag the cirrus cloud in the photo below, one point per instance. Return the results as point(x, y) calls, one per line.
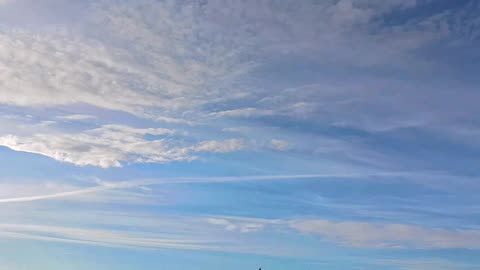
point(362, 234)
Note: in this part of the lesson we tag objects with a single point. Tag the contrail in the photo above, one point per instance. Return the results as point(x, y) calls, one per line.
point(55, 195)
point(69, 193)
point(178, 180)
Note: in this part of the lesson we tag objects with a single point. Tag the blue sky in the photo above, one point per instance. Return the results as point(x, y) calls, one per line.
point(333, 134)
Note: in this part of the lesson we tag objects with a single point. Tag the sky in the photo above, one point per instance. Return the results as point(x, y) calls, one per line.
point(210, 134)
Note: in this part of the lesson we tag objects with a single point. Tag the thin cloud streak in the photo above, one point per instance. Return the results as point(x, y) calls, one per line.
point(68, 193)
point(99, 237)
point(182, 180)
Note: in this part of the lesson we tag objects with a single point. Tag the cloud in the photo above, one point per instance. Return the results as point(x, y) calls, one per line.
point(278, 144)
point(369, 235)
point(229, 225)
point(232, 234)
point(189, 66)
point(132, 61)
point(158, 72)
point(76, 117)
point(426, 264)
point(100, 237)
point(126, 229)
point(242, 129)
point(67, 72)
point(110, 145)
point(29, 192)
point(244, 112)
point(346, 83)
point(226, 146)
point(60, 194)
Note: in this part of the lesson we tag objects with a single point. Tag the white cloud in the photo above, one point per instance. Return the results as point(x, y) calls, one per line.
point(244, 112)
point(236, 225)
point(360, 234)
point(66, 72)
point(278, 144)
point(53, 70)
point(166, 61)
point(76, 117)
point(136, 230)
point(146, 58)
point(226, 146)
point(159, 59)
point(110, 145)
point(100, 237)
point(28, 192)
point(237, 129)
point(227, 233)
point(426, 264)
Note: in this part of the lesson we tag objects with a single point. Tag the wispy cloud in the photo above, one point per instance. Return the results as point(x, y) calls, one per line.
point(77, 117)
point(315, 94)
point(100, 237)
point(361, 234)
point(104, 186)
point(244, 227)
point(79, 191)
point(151, 232)
point(426, 264)
point(229, 233)
point(279, 144)
point(110, 145)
